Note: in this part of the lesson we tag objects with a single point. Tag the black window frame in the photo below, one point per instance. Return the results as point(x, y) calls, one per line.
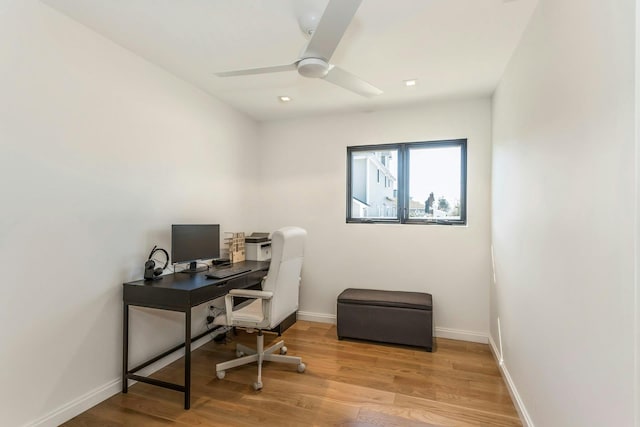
point(402, 149)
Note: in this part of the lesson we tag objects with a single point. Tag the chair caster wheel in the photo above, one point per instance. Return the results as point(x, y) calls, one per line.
point(257, 385)
point(239, 354)
point(283, 350)
point(220, 374)
point(302, 367)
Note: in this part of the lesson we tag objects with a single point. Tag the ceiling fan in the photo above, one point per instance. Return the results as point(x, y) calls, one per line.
point(314, 60)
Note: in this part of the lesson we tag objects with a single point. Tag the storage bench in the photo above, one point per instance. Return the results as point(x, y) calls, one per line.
point(386, 316)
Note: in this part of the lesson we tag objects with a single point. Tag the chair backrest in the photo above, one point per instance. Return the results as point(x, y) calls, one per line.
point(283, 279)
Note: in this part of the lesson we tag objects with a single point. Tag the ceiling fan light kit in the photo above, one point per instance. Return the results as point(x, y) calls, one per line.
point(314, 60)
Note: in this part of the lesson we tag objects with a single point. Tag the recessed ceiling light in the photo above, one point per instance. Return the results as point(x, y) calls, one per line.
point(411, 82)
point(284, 98)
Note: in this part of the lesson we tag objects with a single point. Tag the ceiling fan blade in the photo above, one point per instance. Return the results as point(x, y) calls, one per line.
point(346, 80)
point(331, 28)
point(263, 70)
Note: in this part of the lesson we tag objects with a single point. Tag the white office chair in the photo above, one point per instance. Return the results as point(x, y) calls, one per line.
point(277, 300)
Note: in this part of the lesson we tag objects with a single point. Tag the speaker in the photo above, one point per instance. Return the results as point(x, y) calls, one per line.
point(150, 270)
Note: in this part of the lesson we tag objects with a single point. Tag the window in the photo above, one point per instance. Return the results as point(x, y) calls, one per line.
point(425, 183)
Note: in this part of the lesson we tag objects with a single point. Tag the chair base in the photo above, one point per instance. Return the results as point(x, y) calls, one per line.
point(259, 355)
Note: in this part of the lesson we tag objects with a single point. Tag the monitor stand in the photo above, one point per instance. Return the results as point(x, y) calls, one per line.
point(193, 268)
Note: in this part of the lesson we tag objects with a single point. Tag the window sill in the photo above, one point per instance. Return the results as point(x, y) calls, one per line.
point(409, 222)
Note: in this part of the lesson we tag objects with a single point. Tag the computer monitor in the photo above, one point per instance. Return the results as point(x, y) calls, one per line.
point(194, 242)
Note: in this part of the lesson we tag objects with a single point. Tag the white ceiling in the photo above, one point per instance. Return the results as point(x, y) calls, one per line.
point(455, 48)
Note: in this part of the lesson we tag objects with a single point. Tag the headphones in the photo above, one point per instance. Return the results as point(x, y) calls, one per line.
point(150, 270)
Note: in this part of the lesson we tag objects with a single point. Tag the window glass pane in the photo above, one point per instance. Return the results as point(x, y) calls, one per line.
point(371, 197)
point(434, 183)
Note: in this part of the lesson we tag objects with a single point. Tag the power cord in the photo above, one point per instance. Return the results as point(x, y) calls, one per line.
point(219, 333)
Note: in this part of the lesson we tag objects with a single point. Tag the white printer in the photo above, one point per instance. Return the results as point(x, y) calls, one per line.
point(257, 247)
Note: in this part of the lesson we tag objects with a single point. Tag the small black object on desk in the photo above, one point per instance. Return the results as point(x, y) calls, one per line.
point(150, 270)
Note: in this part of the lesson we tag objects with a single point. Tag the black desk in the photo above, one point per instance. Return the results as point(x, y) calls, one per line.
point(179, 292)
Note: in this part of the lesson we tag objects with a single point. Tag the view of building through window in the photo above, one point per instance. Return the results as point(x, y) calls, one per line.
point(374, 184)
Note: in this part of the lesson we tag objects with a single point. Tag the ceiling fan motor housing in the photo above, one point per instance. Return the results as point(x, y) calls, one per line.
point(313, 67)
point(308, 23)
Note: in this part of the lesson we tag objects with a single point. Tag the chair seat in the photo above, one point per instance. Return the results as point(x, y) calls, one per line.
point(250, 313)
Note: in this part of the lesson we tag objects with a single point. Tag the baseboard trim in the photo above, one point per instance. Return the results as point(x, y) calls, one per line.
point(317, 317)
point(513, 391)
point(79, 405)
point(462, 335)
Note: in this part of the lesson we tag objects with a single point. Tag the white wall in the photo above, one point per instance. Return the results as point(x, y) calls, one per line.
point(563, 214)
point(100, 152)
point(637, 243)
point(303, 182)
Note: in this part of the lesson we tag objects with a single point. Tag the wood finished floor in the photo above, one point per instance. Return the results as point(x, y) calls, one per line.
point(347, 383)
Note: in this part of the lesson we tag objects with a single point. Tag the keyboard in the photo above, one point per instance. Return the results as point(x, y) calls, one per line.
point(227, 272)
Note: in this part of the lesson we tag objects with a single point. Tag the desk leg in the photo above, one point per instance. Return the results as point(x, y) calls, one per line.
point(125, 347)
point(187, 359)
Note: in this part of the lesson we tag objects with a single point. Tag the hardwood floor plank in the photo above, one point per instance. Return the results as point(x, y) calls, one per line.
point(347, 383)
point(395, 417)
point(458, 415)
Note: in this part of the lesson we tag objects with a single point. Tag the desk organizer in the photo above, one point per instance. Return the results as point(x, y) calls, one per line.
point(235, 246)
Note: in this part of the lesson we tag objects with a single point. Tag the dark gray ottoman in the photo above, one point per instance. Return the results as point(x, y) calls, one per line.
point(386, 316)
